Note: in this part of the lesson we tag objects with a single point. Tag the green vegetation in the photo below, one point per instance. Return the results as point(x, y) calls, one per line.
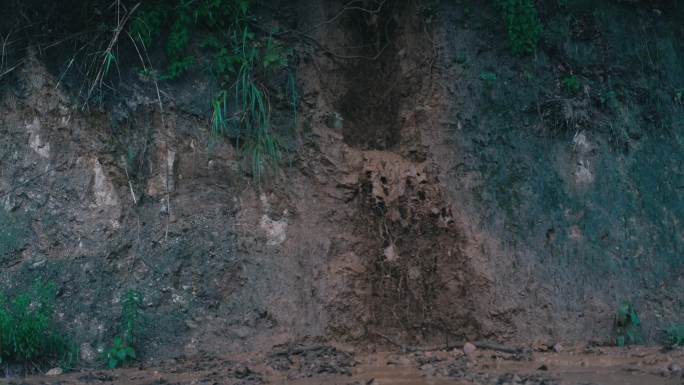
point(627, 325)
point(674, 336)
point(119, 354)
point(147, 24)
point(249, 124)
point(522, 24)
point(488, 77)
point(124, 347)
point(460, 58)
point(131, 315)
point(243, 61)
point(571, 84)
point(28, 333)
point(679, 96)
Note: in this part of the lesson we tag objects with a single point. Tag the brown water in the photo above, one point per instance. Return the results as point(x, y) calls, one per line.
point(605, 366)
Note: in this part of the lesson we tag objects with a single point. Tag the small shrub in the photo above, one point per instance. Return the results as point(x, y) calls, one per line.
point(627, 325)
point(119, 354)
point(522, 24)
point(124, 346)
point(571, 84)
point(674, 336)
point(28, 333)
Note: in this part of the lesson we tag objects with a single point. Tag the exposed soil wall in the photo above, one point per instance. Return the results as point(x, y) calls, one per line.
point(424, 202)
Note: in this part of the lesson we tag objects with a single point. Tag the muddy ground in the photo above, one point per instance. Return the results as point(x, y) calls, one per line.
point(325, 364)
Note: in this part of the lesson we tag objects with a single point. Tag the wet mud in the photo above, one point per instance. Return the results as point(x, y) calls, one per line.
point(337, 365)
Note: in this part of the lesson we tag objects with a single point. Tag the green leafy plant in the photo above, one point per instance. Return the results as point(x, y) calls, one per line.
point(119, 354)
point(488, 77)
point(179, 61)
point(132, 320)
point(674, 336)
point(522, 24)
point(571, 84)
point(124, 347)
point(28, 333)
point(627, 325)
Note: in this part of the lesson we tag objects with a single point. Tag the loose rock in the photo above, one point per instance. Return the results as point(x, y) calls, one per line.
point(87, 353)
point(241, 371)
point(54, 372)
point(469, 348)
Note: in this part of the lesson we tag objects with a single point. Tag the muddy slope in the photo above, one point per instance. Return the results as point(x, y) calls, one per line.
point(425, 201)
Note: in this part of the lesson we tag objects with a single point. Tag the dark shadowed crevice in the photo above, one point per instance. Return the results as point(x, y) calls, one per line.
point(371, 103)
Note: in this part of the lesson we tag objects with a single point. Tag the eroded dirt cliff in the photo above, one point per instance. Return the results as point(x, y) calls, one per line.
point(425, 201)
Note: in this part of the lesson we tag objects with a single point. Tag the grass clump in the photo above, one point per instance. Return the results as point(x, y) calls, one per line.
point(522, 24)
point(627, 325)
point(125, 346)
point(243, 61)
point(242, 108)
point(28, 332)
